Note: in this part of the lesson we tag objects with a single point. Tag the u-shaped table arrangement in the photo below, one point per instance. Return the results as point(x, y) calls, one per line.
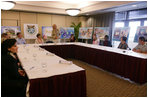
point(70, 80)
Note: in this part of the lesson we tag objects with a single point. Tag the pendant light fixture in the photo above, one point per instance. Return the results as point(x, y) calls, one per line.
point(7, 5)
point(73, 11)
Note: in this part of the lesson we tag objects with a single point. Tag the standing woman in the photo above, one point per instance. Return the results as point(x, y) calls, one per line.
point(39, 39)
point(13, 77)
point(55, 34)
point(95, 39)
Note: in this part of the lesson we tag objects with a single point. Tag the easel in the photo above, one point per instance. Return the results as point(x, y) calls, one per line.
point(64, 40)
point(86, 41)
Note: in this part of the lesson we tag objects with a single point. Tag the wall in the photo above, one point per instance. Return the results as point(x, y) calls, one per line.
point(83, 21)
point(18, 18)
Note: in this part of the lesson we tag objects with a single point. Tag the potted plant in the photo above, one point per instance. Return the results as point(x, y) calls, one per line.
point(76, 29)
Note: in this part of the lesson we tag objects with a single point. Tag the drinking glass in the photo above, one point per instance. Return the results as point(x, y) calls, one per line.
point(44, 67)
point(34, 55)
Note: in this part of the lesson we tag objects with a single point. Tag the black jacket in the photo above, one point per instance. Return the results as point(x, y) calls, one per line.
point(12, 84)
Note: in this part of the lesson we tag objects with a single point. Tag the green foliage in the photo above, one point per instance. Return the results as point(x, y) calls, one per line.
point(76, 29)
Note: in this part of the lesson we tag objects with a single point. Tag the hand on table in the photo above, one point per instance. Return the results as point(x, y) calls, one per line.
point(19, 64)
point(137, 50)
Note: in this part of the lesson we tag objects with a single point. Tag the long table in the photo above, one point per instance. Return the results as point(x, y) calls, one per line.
point(48, 77)
point(125, 63)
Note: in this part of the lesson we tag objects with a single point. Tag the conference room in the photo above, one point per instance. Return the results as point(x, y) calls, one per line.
point(79, 48)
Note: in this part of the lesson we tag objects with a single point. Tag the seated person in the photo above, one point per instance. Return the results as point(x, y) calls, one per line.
point(49, 41)
point(20, 39)
point(39, 39)
point(106, 41)
point(4, 36)
point(14, 79)
point(141, 47)
point(123, 44)
point(95, 39)
point(72, 38)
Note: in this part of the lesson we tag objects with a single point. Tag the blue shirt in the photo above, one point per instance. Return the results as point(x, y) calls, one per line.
point(21, 41)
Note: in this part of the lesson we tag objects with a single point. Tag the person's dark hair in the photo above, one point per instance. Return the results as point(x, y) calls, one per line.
point(18, 33)
point(4, 34)
point(142, 38)
point(106, 36)
point(72, 40)
point(7, 44)
point(95, 35)
point(38, 35)
point(124, 38)
point(72, 35)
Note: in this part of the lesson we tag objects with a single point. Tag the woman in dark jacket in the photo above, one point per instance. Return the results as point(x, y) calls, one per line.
point(123, 44)
point(106, 41)
point(72, 38)
point(13, 77)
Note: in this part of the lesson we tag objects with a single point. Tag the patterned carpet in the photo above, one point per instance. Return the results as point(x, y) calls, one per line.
point(104, 84)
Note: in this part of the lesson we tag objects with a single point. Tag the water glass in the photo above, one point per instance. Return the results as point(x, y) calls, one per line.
point(44, 65)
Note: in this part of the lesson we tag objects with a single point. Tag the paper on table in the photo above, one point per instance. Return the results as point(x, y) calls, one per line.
point(65, 62)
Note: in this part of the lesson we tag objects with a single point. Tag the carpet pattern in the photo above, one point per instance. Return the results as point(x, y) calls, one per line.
point(104, 84)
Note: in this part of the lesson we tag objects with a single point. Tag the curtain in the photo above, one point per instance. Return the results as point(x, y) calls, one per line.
point(101, 20)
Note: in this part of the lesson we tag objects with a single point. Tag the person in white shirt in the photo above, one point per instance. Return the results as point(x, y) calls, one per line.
point(20, 39)
point(39, 39)
point(142, 46)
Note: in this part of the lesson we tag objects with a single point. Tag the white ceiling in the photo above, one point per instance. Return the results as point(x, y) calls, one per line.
point(125, 7)
point(86, 6)
point(59, 4)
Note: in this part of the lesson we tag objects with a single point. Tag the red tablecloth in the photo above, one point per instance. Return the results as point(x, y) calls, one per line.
point(66, 85)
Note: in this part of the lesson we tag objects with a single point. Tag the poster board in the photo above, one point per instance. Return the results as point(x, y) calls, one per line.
point(141, 31)
point(65, 32)
point(85, 33)
point(10, 30)
point(30, 31)
point(101, 32)
point(47, 31)
point(119, 32)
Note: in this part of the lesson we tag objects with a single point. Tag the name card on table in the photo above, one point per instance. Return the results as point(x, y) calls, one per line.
point(65, 62)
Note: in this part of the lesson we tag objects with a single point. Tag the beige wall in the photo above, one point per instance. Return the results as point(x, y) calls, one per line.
point(9, 18)
point(18, 18)
point(83, 21)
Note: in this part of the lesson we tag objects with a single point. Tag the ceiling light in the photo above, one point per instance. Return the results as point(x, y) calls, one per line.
point(73, 11)
point(7, 5)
